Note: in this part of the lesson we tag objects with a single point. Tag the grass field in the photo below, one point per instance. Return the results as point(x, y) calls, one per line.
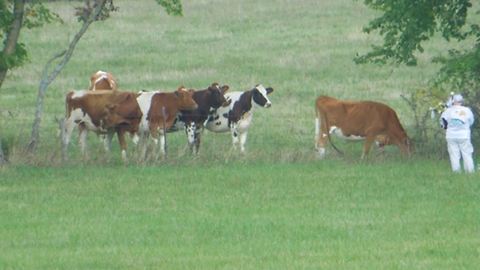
point(276, 207)
point(332, 215)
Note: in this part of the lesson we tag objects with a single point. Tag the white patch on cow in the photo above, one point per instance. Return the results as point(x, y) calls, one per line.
point(338, 132)
point(79, 93)
point(144, 101)
point(220, 123)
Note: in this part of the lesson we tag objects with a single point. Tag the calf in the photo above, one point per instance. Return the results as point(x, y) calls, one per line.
point(102, 80)
point(237, 117)
point(361, 120)
point(208, 99)
point(160, 110)
point(103, 112)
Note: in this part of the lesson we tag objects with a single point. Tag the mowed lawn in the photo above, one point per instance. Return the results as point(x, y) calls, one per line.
point(329, 215)
point(277, 206)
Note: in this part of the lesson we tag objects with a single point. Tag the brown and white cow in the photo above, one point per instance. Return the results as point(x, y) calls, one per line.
point(160, 111)
point(237, 117)
point(208, 100)
point(102, 80)
point(103, 112)
point(358, 120)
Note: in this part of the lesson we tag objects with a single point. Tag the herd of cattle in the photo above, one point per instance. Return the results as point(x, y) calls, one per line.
point(105, 110)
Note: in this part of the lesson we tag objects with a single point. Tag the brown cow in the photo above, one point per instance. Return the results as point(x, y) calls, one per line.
point(104, 112)
point(160, 111)
point(358, 120)
point(102, 80)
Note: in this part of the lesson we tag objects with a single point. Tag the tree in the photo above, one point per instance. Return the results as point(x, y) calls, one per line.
point(406, 25)
point(14, 15)
point(89, 13)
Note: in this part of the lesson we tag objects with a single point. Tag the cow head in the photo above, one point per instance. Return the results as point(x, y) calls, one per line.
point(102, 80)
point(217, 97)
point(185, 99)
point(259, 94)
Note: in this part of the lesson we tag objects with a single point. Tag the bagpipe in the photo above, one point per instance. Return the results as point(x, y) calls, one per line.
point(441, 106)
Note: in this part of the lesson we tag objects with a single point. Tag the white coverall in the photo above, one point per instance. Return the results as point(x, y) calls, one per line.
point(458, 120)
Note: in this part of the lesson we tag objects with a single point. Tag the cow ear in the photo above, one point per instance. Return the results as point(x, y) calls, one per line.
point(225, 88)
point(269, 90)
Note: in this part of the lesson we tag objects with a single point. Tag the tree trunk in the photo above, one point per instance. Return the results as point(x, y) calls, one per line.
point(48, 76)
point(3, 159)
point(12, 35)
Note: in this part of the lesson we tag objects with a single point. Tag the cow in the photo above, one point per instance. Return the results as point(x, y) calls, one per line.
point(160, 110)
point(237, 117)
point(208, 100)
point(102, 80)
point(104, 112)
point(358, 120)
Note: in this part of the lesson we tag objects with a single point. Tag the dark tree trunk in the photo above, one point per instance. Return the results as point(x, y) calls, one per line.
point(12, 35)
point(3, 159)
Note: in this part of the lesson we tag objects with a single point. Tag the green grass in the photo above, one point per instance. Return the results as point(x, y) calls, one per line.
point(333, 215)
point(276, 207)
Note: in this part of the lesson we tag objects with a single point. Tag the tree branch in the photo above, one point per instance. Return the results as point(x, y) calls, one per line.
point(49, 76)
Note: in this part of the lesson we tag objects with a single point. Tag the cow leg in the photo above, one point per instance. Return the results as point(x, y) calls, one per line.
point(82, 139)
point(235, 138)
point(69, 125)
point(163, 150)
point(243, 140)
point(320, 138)
point(107, 141)
point(198, 132)
point(159, 140)
point(190, 131)
point(142, 142)
point(367, 145)
point(123, 144)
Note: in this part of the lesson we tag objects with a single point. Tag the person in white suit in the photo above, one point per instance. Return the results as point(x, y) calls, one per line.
point(457, 120)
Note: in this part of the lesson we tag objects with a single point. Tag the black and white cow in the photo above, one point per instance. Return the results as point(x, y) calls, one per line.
point(237, 117)
point(208, 99)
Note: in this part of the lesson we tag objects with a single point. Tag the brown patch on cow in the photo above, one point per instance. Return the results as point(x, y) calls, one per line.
point(373, 120)
point(165, 106)
point(109, 111)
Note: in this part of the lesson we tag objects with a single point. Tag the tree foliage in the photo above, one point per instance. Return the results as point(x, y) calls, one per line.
point(406, 25)
point(35, 14)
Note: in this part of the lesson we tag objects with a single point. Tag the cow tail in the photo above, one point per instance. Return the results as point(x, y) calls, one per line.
point(323, 117)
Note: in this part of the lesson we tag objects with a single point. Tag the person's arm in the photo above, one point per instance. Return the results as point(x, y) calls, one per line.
point(443, 121)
